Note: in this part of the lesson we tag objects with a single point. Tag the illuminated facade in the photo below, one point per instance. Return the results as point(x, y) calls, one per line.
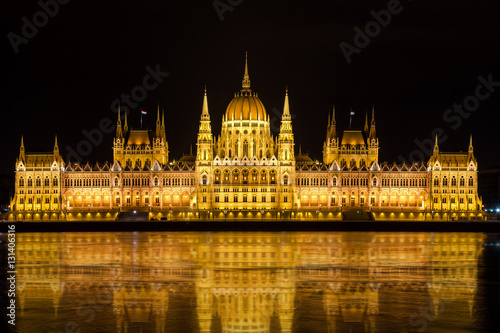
point(246, 173)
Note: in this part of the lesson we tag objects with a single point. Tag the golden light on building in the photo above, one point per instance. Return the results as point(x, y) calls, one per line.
point(247, 168)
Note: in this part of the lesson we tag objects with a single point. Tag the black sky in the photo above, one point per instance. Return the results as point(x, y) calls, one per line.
point(64, 80)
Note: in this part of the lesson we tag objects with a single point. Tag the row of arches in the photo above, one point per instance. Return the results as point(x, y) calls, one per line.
point(363, 198)
point(37, 181)
point(106, 199)
point(246, 176)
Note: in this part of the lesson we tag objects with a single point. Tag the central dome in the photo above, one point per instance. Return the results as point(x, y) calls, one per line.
point(247, 106)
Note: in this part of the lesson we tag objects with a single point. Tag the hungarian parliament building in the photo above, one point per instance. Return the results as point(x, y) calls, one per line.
point(246, 173)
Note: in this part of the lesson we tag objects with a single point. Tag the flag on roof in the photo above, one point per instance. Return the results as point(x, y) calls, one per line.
point(143, 112)
point(352, 113)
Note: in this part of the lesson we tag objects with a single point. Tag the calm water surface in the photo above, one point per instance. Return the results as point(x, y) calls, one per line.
point(257, 282)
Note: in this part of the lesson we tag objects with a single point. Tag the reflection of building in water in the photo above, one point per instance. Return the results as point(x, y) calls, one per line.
point(454, 268)
point(38, 257)
point(244, 282)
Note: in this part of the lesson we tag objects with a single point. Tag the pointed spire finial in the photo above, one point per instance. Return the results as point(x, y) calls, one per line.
point(286, 107)
point(471, 148)
point(245, 83)
point(373, 113)
point(333, 116)
point(205, 104)
point(366, 122)
point(55, 143)
point(22, 141)
point(436, 146)
point(158, 113)
point(125, 127)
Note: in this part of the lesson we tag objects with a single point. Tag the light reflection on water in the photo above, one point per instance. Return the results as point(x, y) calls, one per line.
point(250, 282)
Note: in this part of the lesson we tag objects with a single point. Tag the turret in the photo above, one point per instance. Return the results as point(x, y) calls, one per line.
point(373, 133)
point(22, 152)
point(56, 149)
point(119, 131)
point(158, 124)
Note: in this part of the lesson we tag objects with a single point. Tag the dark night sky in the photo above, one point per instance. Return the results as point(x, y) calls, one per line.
point(63, 81)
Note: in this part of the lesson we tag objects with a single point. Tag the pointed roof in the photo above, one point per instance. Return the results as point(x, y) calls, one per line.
point(286, 107)
point(333, 116)
point(56, 147)
point(366, 122)
point(205, 104)
point(245, 83)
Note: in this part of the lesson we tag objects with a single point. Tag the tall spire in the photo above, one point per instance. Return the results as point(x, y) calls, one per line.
point(245, 83)
point(471, 148)
point(366, 122)
point(119, 132)
point(21, 150)
point(373, 132)
point(158, 115)
point(125, 127)
point(286, 107)
point(436, 146)
point(56, 149)
point(158, 127)
point(204, 111)
point(373, 114)
point(162, 119)
point(333, 116)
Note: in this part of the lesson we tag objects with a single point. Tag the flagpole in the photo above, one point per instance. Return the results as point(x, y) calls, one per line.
point(141, 118)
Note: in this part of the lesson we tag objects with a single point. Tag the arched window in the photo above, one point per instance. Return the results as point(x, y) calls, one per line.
point(453, 181)
point(21, 181)
point(471, 181)
point(155, 181)
point(30, 181)
point(353, 163)
point(462, 181)
point(217, 177)
point(445, 181)
point(273, 177)
point(46, 181)
point(334, 181)
point(374, 181)
point(285, 179)
point(138, 163)
point(204, 180)
point(38, 182)
point(55, 181)
point(115, 181)
point(129, 162)
point(245, 148)
point(436, 181)
point(263, 176)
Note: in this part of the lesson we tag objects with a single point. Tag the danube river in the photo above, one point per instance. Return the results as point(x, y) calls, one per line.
point(259, 282)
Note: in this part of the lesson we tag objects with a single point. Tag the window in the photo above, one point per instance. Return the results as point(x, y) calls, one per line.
point(226, 198)
point(116, 181)
point(245, 198)
point(462, 181)
point(47, 200)
point(56, 200)
point(30, 200)
point(470, 200)
point(21, 181)
point(38, 200)
point(38, 182)
point(273, 198)
point(285, 198)
point(436, 181)
point(445, 181)
point(435, 200)
point(334, 181)
point(453, 181)
point(155, 181)
point(263, 198)
point(30, 182)
point(204, 198)
point(285, 179)
point(217, 198)
point(254, 198)
point(235, 198)
point(471, 181)
point(21, 201)
point(204, 180)
point(46, 182)
point(445, 200)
